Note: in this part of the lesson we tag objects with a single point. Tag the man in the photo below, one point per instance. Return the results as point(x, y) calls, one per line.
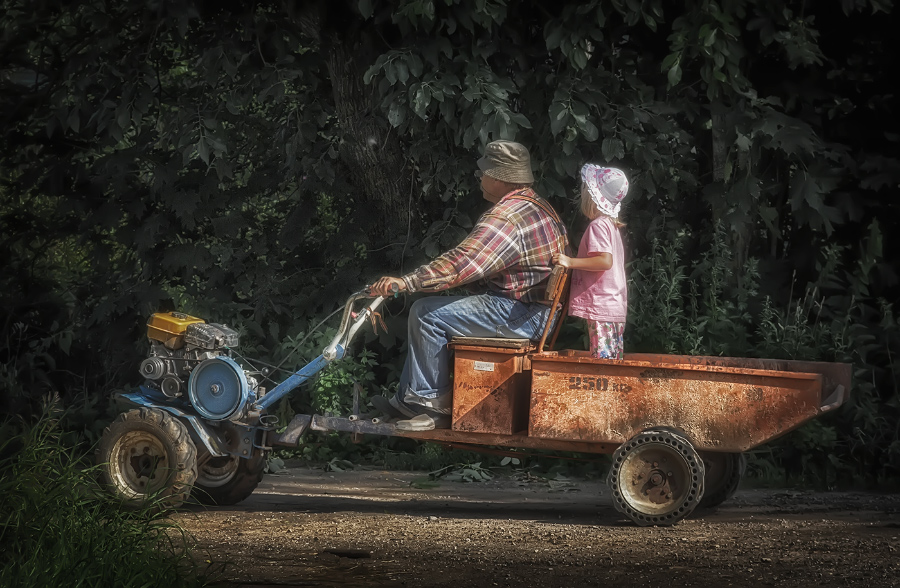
point(509, 254)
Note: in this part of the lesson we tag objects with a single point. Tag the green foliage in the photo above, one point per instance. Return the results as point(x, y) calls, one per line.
point(331, 390)
point(697, 309)
point(58, 529)
point(339, 465)
point(717, 311)
point(254, 164)
point(658, 305)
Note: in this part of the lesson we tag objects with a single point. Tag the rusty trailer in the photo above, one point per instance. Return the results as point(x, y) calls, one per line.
point(677, 426)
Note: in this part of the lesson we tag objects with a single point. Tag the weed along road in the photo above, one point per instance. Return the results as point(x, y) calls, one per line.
point(372, 527)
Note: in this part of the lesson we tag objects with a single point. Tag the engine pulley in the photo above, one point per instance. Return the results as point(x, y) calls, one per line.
point(218, 388)
point(153, 368)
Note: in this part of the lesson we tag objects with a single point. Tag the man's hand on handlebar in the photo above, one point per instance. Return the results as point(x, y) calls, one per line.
point(387, 286)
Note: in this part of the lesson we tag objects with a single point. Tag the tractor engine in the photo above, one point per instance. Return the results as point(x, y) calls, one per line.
point(190, 357)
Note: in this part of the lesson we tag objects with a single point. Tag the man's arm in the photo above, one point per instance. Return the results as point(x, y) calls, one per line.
point(492, 246)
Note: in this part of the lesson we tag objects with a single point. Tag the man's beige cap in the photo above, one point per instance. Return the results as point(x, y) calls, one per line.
point(507, 161)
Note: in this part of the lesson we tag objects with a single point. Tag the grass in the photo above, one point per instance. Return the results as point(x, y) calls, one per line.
point(57, 528)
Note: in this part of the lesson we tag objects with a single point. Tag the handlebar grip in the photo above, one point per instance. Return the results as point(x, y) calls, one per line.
point(395, 290)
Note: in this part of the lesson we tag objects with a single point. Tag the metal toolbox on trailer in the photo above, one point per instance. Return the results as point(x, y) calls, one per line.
point(491, 385)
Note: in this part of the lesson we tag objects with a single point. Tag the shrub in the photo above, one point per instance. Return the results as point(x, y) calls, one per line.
point(58, 529)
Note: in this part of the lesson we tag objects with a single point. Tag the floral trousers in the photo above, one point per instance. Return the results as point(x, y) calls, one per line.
point(606, 339)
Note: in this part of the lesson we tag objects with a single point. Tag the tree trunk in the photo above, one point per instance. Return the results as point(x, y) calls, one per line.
point(719, 146)
point(372, 154)
point(739, 236)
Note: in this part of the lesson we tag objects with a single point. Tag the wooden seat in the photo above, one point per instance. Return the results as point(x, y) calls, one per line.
point(494, 342)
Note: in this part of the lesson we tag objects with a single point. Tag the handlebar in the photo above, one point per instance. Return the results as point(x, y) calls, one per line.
point(395, 290)
point(351, 322)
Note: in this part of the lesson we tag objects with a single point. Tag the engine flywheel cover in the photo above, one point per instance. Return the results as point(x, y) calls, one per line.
point(218, 388)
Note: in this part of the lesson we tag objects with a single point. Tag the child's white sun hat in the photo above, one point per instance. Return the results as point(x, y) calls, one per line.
point(607, 186)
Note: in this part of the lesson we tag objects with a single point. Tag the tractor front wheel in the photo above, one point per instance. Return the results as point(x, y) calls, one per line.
point(147, 456)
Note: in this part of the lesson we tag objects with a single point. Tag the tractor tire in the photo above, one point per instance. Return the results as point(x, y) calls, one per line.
point(656, 478)
point(223, 481)
point(147, 458)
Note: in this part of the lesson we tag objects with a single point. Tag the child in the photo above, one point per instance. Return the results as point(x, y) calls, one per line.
point(598, 292)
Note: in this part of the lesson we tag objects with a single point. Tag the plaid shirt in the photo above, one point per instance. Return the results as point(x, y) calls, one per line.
point(509, 251)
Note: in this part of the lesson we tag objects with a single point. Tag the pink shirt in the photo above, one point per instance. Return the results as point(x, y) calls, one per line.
point(600, 296)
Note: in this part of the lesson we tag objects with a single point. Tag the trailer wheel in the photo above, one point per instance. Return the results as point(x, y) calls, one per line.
point(656, 478)
point(223, 481)
point(146, 455)
point(723, 475)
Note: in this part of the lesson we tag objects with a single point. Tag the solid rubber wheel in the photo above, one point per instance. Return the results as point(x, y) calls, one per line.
point(656, 478)
point(146, 455)
point(224, 481)
point(723, 476)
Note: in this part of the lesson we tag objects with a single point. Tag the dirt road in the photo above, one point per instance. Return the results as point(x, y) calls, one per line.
point(306, 527)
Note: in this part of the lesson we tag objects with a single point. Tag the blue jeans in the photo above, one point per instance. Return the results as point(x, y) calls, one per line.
point(434, 320)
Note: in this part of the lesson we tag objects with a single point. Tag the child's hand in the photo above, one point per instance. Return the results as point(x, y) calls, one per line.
point(563, 260)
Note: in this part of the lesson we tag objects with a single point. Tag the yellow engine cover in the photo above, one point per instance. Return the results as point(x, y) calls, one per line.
point(169, 328)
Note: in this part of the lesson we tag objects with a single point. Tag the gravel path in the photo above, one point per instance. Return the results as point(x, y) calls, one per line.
point(368, 528)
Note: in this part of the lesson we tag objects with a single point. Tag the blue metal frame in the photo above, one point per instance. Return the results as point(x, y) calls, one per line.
point(304, 374)
point(350, 324)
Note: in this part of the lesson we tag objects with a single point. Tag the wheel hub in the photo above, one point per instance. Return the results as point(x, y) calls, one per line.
point(144, 466)
point(140, 462)
point(655, 489)
point(217, 471)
